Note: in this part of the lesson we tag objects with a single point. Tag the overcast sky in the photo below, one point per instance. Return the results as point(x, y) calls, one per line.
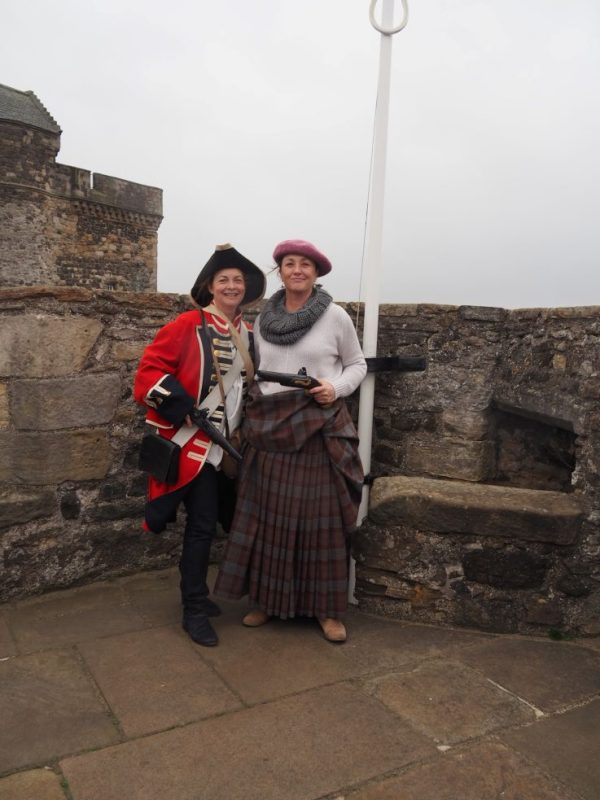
point(255, 117)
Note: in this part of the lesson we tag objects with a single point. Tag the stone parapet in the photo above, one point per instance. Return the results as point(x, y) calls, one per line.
point(484, 504)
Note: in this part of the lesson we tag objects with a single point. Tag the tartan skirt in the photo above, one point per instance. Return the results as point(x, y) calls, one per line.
point(298, 495)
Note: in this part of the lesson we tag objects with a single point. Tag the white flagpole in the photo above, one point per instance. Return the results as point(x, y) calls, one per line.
point(371, 278)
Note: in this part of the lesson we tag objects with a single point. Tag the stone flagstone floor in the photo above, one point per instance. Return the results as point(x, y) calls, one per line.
point(103, 697)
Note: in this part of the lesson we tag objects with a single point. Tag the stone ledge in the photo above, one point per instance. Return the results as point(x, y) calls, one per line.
point(476, 509)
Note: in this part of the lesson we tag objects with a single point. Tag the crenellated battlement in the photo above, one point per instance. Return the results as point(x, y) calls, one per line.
point(64, 225)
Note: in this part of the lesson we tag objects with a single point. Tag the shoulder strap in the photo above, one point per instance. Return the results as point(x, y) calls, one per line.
point(241, 341)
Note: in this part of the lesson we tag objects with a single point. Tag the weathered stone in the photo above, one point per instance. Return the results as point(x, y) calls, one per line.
point(66, 294)
point(542, 611)
point(47, 458)
point(566, 746)
point(35, 687)
point(466, 423)
point(42, 345)
point(549, 675)
point(155, 694)
point(516, 569)
point(232, 760)
point(115, 490)
point(128, 351)
point(4, 413)
point(80, 402)
point(484, 771)
point(574, 585)
point(70, 505)
point(450, 457)
point(483, 313)
point(118, 510)
point(478, 509)
point(22, 505)
point(38, 784)
point(450, 702)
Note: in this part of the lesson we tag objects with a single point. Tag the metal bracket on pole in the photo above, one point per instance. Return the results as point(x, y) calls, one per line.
point(396, 363)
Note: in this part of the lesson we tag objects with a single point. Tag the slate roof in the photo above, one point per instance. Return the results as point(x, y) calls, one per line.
point(25, 107)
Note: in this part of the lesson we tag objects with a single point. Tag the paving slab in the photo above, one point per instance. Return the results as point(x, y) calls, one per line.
point(486, 771)
point(37, 784)
point(155, 679)
point(293, 749)
point(550, 675)
point(49, 707)
point(449, 702)
point(376, 644)
point(155, 595)
point(593, 643)
point(74, 615)
point(276, 659)
point(7, 645)
point(567, 746)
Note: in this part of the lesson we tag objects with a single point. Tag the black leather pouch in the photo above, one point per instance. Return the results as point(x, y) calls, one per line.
point(160, 458)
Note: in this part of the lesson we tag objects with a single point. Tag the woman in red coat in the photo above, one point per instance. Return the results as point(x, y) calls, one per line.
point(180, 371)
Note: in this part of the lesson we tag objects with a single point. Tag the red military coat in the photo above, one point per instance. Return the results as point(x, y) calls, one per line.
point(176, 372)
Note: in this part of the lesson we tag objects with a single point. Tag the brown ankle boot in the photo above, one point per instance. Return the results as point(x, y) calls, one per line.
point(334, 630)
point(255, 618)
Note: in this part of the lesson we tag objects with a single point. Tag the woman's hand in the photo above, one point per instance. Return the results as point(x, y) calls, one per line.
point(323, 394)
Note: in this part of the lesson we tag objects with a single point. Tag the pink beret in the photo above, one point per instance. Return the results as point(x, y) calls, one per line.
point(301, 248)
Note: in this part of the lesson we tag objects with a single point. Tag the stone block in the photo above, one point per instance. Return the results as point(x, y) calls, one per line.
point(449, 703)
point(128, 351)
point(38, 346)
point(36, 784)
point(450, 457)
point(509, 570)
point(21, 505)
point(153, 694)
point(466, 424)
point(566, 746)
point(476, 509)
point(7, 645)
point(60, 619)
point(49, 708)
point(50, 458)
point(4, 412)
point(268, 752)
point(549, 675)
point(484, 771)
point(80, 402)
point(244, 658)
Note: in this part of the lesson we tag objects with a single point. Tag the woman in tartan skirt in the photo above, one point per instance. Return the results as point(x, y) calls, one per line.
point(301, 479)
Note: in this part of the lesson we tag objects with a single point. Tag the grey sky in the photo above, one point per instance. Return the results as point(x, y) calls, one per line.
point(255, 118)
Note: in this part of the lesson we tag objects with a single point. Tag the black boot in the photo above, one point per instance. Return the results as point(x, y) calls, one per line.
point(199, 629)
point(210, 608)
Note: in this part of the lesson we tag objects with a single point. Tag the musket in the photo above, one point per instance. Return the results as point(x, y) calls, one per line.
point(199, 416)
point(298, 381)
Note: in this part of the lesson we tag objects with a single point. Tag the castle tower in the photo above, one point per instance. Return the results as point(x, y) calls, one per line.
point(62, 225)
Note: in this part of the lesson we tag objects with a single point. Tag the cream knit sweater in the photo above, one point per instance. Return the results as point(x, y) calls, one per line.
point(329, 351)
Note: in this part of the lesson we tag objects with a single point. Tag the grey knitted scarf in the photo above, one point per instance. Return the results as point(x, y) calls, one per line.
point(279, 326)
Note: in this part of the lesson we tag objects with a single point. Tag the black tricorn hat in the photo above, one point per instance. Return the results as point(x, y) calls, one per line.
point(227, 257)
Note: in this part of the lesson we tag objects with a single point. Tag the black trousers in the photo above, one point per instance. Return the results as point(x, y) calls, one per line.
point(201, 502)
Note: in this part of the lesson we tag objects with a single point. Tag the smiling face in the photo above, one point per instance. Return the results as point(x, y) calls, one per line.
point(298, 274)
point(228, 287)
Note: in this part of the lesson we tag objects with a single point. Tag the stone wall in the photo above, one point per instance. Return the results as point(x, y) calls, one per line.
point(63, 226)
point(71, 496)
point(484, 504)
point(488, 514)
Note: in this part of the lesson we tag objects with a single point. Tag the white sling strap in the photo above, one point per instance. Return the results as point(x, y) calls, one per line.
point(213, 398)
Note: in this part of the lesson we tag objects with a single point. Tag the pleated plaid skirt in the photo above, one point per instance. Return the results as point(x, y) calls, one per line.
point(298, 495)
